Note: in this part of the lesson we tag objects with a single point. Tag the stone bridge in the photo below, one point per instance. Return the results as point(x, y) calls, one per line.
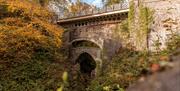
point(89, 35)
point(94, 52)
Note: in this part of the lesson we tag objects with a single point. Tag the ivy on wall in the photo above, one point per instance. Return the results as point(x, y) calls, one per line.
point(145, 20)
point(131, 15)
point(139, 20)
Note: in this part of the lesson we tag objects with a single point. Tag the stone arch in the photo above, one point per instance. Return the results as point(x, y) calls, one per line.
point(98, 43)
point(87, 63)
point(84, 43)
point(94, 52)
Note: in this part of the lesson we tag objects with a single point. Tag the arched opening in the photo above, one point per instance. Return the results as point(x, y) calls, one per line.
point(84, 43)
point(87, 63)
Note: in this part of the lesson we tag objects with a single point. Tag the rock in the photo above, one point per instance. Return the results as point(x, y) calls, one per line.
point(165, 23)
point(165, 81)
point(168, 80)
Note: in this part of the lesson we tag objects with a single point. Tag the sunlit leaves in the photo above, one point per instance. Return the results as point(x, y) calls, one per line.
point(25, 9)
point(29, 45)
point(111, 2)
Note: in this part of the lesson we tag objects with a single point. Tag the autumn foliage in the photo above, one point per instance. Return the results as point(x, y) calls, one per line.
point(29, 46)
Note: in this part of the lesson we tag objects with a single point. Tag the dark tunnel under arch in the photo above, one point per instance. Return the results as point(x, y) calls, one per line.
point(87, 63)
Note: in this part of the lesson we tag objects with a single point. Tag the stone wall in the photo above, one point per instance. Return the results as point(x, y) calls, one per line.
point(94, 52)
point(166, 22)
point(102, 35)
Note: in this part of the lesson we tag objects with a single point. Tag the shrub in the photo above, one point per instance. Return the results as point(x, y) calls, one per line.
point(30, 56)
point(126, 68)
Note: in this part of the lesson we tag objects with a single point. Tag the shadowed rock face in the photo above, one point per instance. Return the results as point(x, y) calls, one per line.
point(165, 81)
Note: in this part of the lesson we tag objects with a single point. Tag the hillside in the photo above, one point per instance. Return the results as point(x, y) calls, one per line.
point(29, 47)
point(111, 52)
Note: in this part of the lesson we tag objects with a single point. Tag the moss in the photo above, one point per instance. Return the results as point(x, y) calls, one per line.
point(145, 20)
point(139, 28)
point(131, 16)
point(122, 27)
point(173, 43)
point(121, 31)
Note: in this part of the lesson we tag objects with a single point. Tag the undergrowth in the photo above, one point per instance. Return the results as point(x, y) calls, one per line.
point(128, 66)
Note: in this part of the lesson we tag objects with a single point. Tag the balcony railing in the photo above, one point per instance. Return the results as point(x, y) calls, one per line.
point(115, 7)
